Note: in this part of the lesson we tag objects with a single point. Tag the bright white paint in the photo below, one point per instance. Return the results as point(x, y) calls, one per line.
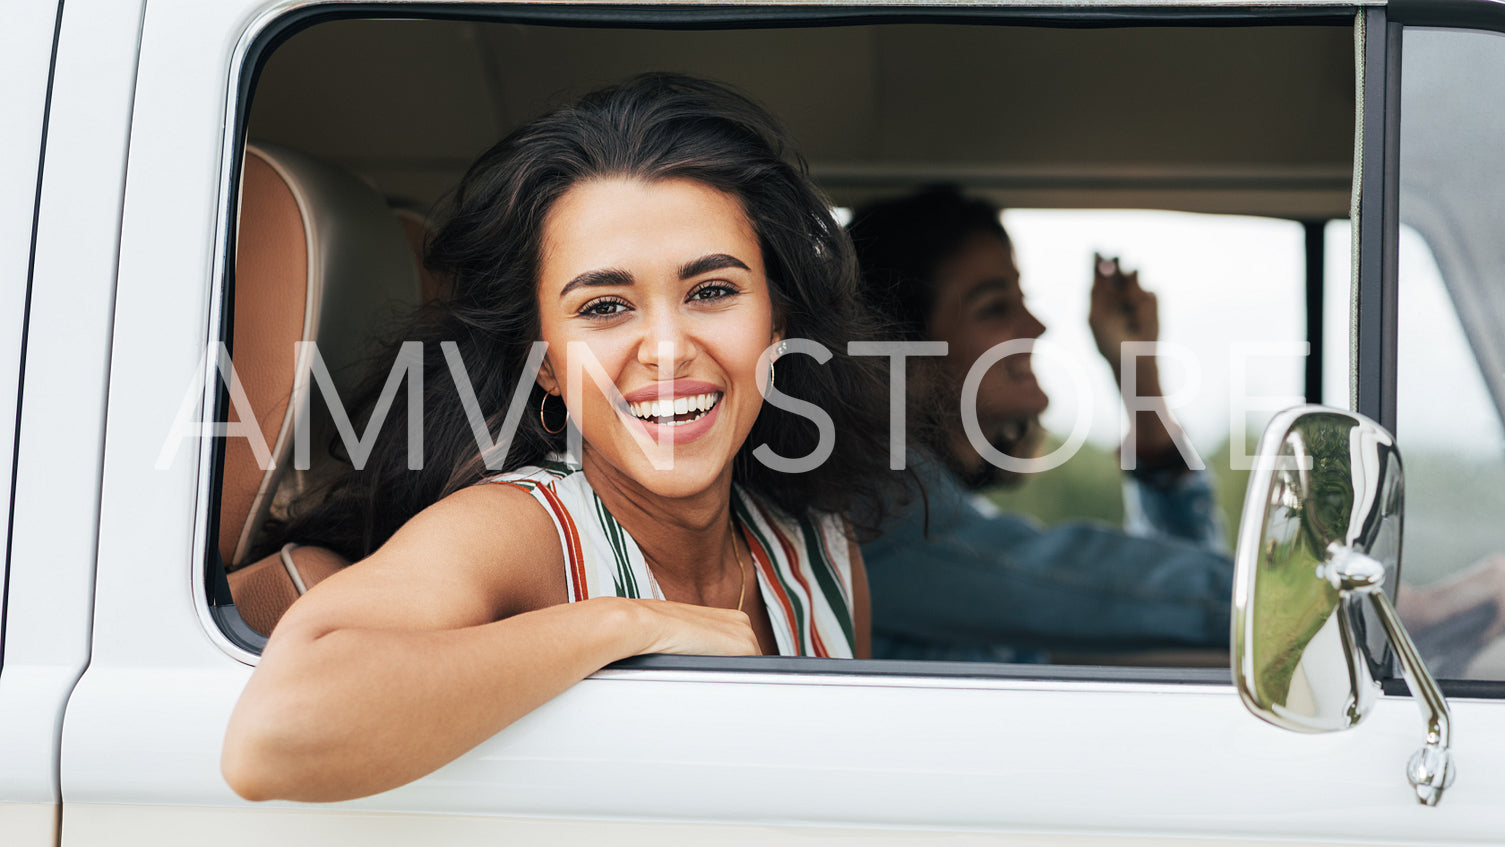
point(26, 719)
point(62, 427)
point(25, 55)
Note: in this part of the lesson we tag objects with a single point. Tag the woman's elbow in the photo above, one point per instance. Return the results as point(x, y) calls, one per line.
point(248, 771)
point(267, 754)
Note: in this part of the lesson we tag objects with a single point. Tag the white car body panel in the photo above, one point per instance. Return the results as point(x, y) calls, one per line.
point(61, 432)
point(660, 757)
point(28, 785)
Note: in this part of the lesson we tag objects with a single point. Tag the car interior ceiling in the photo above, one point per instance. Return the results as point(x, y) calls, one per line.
point(1221, 120)
point(1252, 120)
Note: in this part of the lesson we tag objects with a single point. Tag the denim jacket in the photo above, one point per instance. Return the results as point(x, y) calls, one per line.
point(990, 586)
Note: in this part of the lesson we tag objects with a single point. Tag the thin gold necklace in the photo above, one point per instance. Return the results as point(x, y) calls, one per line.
point(741, 568)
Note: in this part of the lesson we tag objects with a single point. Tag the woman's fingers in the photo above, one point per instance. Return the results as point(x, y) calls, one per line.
point(1120, 309)
point(699, 630)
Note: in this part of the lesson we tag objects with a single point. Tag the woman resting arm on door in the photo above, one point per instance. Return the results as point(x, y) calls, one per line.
point(658, 242)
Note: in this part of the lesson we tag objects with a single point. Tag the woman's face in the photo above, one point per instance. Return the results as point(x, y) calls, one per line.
point(661, 284)
point(978, 304)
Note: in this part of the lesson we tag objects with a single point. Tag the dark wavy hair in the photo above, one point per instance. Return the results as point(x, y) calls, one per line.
point(652, 127)
point(901, 243)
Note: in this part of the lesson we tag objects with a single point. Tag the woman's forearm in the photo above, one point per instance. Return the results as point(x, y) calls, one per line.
point(1153, 430)
point(351, 712)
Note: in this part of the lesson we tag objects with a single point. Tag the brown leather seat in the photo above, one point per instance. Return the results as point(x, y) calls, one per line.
point(319, 258)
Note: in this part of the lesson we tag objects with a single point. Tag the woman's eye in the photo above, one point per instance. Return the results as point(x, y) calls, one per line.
point(603, 308)
point(712, 291)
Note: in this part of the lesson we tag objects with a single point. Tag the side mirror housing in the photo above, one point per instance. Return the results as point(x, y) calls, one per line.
point(1319, 537)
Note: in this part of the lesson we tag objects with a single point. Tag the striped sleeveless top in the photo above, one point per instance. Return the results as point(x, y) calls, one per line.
point(802, 565)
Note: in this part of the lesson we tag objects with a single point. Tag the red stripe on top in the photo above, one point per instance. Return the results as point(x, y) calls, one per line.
point(573, 550)
point(792, 557)
point(762, 561)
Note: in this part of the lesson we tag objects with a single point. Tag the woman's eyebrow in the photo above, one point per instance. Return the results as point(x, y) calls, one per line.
point(706, 264)
point(600, 276)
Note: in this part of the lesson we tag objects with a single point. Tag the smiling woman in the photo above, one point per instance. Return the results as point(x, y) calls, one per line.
point(658, 243)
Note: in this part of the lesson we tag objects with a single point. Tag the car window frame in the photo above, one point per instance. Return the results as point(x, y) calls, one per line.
point(277, 25)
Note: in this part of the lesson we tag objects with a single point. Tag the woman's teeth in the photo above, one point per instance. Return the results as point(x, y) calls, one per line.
point(680, 410)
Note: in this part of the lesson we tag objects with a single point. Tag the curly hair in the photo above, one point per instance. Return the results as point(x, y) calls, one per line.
point(652, 127)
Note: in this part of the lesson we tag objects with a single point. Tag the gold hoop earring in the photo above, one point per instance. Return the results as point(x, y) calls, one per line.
point(778, 350)
point(544, 423)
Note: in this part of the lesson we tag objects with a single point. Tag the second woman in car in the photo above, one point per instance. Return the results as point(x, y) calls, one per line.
point(959, 579)
point(660, 241)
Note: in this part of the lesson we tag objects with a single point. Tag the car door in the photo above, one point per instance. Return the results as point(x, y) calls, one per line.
point(66, 103)
point(675, 750)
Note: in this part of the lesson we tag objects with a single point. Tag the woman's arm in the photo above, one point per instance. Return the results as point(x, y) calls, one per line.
point(397, 665)
point(1122, 312)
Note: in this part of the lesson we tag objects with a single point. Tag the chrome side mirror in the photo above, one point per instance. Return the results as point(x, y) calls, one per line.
point(1321, 532)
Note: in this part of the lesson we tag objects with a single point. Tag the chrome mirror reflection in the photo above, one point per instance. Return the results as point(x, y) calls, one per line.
point(1321, 532)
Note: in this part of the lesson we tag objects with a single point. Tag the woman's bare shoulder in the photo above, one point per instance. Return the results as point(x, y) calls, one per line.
point(480, 554)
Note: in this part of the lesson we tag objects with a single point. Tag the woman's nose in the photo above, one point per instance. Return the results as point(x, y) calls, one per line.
point(1032, 326)
point(666, 346)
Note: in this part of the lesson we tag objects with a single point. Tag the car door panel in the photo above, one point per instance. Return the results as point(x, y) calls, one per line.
point(840, 752)
point(61, 426)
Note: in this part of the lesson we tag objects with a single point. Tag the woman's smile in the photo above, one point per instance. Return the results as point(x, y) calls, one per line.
point(678, 412)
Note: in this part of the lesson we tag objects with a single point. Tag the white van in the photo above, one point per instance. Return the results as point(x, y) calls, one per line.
point(1374, 133)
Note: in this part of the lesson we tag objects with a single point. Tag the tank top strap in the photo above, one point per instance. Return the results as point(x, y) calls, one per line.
point(600, 558)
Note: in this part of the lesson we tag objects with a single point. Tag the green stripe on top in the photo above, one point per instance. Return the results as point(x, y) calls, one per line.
point(616, 538)
point(825, 574)
point(775, 553)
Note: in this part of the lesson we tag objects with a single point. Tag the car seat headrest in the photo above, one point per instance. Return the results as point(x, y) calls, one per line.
point(319, 258)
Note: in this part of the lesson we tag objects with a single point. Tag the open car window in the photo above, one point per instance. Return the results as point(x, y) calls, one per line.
point(1190, 152)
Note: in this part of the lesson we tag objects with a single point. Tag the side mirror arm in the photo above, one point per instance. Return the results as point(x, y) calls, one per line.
point(1431, 769)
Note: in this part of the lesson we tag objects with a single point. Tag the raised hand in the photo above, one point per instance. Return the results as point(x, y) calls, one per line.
point(1120, 310)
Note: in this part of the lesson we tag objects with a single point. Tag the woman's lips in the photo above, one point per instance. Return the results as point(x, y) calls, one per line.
point(671, 390)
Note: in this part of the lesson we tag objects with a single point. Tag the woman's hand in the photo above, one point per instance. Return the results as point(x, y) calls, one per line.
point(1120, 311)
point(685, 628)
